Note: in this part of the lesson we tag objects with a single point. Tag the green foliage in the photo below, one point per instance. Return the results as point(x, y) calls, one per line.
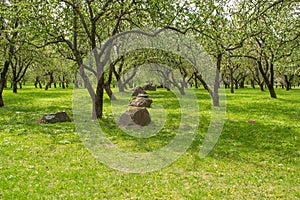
point(251, 160)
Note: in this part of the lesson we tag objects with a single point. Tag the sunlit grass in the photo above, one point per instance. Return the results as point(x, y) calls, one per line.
point(257, 160)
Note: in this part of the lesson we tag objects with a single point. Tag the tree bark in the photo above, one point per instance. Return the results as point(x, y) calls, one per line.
point(205, 85)
point(288, 81)
point(121, 86)
point(15, 86)
point(99, 98)
point(109, 92)
point(266, 79)
point(48, 85)
point(3, 81)
point(63, 82)
point(253, 84)
point(180, 87)
point(1, 100)
point(261, 86)
point(231, 82)
point(216, 100)
point(107, 85)
point(181, 90)
point(196, 82)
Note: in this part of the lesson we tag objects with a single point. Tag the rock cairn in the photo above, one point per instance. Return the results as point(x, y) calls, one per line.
point(137, 114)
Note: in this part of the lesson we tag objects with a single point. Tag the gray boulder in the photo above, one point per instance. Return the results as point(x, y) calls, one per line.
point(140, 102)
point(134, 117)
point(138, 90)
point(55, 118)
point(149, 87)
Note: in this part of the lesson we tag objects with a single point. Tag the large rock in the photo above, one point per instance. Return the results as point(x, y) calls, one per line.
point(138, 90)
point(55, 118)
point(136, 116)
point(140, 102)
point(149, 87)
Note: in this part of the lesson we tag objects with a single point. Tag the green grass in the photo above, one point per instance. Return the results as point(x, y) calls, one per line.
point(250, 161)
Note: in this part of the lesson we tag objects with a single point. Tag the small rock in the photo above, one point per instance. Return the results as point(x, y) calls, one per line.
point(55, 118)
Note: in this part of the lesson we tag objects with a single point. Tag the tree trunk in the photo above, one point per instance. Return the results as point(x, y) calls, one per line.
point(236, 85)
point(216, 100)
point(15, 87)
point(242, 83)
point(253, 84)
point(271, 84)
point(99, 98)
point(121, 86)
point(261, 86)
point(231, 81)
point(205, 85)
point(181, 90)
point(287, 80)
point(3, 81)
point(196, 81)
point(179, 87)
point(50, 81)
point(107, 85)
point(37, 81)
point(231, 88)
point(272, 92)
point(109, 92)
point(63, 83)
point(266, 79)
point(76, 85)
point(1, 100)
point(5, 84)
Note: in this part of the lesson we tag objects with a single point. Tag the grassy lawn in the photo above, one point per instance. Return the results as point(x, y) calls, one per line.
point(250, 161)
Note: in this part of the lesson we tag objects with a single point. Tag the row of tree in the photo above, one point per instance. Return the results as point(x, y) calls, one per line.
point(256, 41)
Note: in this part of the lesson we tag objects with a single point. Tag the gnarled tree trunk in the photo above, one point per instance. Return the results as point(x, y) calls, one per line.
point(3, 81)
point(269, 83)
point(51, 80)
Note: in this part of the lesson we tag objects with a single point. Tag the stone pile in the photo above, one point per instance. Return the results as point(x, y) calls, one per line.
point(137, 114)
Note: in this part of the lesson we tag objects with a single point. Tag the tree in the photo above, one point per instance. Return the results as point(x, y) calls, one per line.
point(216, 28)
point(8, 34)
point(278, 36)
point(23, 57)
point(91, 23)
